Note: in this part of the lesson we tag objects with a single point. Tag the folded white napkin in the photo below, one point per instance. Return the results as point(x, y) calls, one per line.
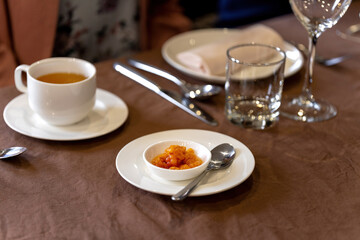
point(210, 58)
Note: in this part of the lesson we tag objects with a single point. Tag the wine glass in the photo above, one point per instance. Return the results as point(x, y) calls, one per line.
point(316, 16)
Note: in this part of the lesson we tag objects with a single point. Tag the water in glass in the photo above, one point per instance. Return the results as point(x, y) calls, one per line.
point(254, 85)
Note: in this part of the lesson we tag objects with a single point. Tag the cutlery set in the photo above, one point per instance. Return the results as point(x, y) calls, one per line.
point(177, 99)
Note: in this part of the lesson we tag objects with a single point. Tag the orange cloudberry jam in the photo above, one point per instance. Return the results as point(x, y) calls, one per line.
point(177, 157)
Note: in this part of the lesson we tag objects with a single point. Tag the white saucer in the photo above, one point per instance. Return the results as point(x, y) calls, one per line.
point(192, 39)
point(130, 165)
point(109, 113)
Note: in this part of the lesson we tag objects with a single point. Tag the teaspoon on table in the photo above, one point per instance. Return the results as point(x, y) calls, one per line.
point(193, 91)
point(222, 157)
point(11, 152)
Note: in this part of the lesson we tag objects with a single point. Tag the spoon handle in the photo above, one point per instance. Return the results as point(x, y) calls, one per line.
point(155, 70)
point(183, 193)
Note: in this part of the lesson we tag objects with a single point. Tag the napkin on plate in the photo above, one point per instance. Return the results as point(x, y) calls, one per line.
point(210, 59)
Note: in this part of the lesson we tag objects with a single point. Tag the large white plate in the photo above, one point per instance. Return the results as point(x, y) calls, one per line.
point(192, 39)
point(129, 163)
point(109, 113)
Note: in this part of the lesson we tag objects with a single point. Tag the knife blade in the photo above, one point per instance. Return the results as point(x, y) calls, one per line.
point(173, 97)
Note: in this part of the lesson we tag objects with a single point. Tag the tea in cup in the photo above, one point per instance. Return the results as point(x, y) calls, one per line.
point(60, 90)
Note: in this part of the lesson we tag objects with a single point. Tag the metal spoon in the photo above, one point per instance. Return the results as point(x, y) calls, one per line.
point(324, 61)
point(193, 91)
point(221, 157)
point(11, 152)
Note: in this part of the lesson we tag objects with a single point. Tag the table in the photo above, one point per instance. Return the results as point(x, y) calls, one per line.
point(306, 182)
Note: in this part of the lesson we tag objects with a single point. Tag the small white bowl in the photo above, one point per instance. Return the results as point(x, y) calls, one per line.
point(176, 175)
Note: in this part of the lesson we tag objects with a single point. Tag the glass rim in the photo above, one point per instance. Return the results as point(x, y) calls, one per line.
point(277, 49)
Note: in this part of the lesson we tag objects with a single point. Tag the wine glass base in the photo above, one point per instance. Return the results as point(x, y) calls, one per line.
point(305, 110)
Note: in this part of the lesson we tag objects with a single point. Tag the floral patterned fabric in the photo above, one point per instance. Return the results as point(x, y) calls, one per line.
point(96, 30)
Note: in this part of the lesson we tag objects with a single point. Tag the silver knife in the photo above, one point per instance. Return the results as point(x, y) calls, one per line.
point(173, 97)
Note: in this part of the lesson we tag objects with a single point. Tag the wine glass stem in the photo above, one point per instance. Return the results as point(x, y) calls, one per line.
point(307, 87)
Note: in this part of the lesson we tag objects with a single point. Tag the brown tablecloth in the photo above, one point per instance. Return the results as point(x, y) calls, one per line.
point(306, 182)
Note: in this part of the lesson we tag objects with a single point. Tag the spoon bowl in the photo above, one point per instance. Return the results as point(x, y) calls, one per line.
point(193, 91)
point(222, 157)
point(11, 152)
point(196, 91)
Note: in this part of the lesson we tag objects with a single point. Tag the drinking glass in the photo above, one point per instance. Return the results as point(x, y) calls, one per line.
point(316, 16)
point(254, 83)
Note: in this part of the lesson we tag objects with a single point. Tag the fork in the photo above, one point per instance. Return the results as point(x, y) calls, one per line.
point(322, 60)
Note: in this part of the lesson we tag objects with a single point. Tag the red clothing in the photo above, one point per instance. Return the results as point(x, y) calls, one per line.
point(28, 30)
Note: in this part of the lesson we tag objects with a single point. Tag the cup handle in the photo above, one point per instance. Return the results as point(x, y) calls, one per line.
point(18, 79)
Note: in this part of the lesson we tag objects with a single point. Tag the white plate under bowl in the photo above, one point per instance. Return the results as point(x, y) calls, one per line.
point(188, 40)
point(131, 167)
point(108, 114)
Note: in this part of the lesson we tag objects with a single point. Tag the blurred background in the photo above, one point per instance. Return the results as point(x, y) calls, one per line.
point(232, 13)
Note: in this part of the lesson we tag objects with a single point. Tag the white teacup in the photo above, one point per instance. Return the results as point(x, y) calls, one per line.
point(59, 103)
